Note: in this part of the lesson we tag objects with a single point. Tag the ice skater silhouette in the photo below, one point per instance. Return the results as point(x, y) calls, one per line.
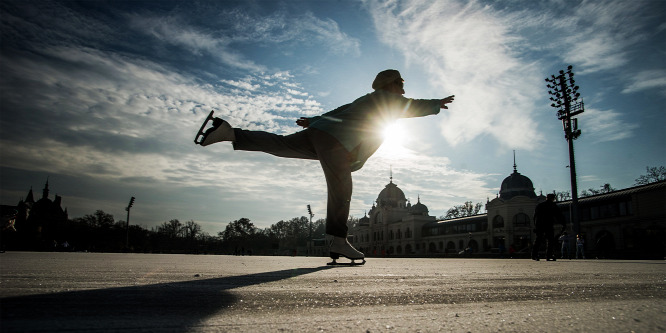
point(341, 140)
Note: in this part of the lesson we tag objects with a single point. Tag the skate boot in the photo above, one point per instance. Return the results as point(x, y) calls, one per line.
point(340, 247)
point(220, 131)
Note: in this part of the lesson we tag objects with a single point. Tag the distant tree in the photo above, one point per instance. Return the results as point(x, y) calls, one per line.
point(562, 195)
point(319, 228)
point(239, 229)
point(99, 219)
point(191, 229)
point(653, 175)
point(171, 229)
point(279, 230)
point(466, 209)
point(606, 188)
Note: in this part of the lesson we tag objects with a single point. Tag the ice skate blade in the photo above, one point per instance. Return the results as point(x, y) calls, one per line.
point(336, 255)
point(198, 139)
point(352, 263)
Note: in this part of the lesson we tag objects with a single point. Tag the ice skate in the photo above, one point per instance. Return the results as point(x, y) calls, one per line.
point(220, 131)
point(340, 247)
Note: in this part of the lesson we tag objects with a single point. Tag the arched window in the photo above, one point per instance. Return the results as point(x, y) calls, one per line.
point(521, 220)
point(498, 222)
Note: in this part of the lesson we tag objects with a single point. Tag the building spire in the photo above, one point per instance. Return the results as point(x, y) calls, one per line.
point(514, 162)
point(45, 193)
point(391, 173)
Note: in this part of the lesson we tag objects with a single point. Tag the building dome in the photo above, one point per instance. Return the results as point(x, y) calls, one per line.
point(419, 208)
point(515, 185)
point(391, 196)
point(365, 220)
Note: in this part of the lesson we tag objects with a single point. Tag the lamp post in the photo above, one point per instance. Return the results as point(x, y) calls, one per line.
point(564, 95)
point(310, 243)
point(131, 203)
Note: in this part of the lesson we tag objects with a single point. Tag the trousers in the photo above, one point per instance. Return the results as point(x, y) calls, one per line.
point(544, 234)
point(311, 144)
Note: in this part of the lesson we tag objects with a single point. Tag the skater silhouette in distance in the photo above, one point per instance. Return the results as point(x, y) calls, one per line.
point(341, 140)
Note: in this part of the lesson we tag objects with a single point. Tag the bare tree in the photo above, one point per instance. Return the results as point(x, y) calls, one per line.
point(172, 229)
point(191, 229)
point(562, 195)
point(606, 188)
point(653, 175)
point(466, 209)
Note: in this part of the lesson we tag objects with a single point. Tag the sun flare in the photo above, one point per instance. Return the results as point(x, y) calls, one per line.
point(395, 136)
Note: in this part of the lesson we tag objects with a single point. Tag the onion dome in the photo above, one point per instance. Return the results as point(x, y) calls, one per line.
point(419, 208)
point(391, 196)
point(516, 185)
point(365, 220)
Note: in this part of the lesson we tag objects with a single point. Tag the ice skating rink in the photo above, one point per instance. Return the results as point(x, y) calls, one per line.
point(98, 292)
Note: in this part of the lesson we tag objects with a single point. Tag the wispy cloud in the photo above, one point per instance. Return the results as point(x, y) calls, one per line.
point(606, 125)
point(652, 79)
point(172, 31)
point(465, 50)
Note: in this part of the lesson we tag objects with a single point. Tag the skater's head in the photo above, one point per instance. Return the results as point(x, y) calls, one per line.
point(389, 80)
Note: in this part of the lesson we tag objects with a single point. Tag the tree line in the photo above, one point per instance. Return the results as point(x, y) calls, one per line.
point(100, 232)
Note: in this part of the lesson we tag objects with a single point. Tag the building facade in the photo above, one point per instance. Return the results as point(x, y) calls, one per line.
point(32, 224)
point(629, 223)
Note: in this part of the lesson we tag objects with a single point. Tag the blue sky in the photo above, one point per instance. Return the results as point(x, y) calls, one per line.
point(104, 99)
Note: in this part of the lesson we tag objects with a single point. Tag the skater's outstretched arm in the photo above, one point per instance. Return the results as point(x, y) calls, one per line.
point(305, 122)
point(447, 101)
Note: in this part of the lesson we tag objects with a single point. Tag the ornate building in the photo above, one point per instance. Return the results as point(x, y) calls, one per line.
point(631, 223)
point(32, 221)
point(394, 225)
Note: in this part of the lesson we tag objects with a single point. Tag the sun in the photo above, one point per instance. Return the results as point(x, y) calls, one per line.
point(395, 135)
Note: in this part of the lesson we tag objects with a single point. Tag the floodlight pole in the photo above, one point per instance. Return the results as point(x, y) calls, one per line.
point(310, 243)
point(131, 203)
point(564, 96)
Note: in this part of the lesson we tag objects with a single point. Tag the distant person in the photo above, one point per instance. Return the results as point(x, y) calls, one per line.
point(342, 140)
point(545, 216)
point(564, 239)
point(580, 247)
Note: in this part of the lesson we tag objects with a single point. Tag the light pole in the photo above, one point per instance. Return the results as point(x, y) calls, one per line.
point(310, 243)
point(564, 94)
point(131, 203)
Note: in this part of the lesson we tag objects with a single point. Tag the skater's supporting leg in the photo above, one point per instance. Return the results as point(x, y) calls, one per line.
point(335, 162)
point(297, 145)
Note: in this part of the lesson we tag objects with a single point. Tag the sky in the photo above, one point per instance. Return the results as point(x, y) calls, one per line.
point(104, 98)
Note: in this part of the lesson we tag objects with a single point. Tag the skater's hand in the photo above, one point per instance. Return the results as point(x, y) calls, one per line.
point(303, 122)
point(447, 101)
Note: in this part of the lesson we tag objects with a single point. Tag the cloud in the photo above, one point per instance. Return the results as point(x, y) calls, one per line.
point(605, 125)
point(239, 29)
point(465, 49)
point(171, 30)
point(644, 80)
